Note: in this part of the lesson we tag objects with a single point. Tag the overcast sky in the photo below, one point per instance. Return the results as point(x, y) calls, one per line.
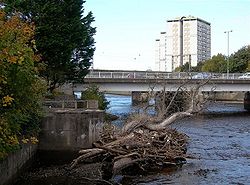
point(127, 29)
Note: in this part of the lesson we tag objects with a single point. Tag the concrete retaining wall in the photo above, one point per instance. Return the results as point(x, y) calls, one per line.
point(229, 96)
point(62, 130)
point(70, 130)
point(14, 164)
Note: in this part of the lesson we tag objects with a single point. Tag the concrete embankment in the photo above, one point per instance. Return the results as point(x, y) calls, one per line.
point(16, 162)
point(63, 130)
point(70, 129)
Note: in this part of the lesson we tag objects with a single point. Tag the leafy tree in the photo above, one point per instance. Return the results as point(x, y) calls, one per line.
point(186, 68)
point(93, 93)
point(240, 60)
point(217, 64)
point(198, 67)
point(63, 36)
point(183, 68)
point(20, 87)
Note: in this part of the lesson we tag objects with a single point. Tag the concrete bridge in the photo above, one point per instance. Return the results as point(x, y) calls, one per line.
point(130, 81)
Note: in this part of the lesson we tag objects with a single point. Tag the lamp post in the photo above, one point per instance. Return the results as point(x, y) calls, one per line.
point(228, 51)
point(181, 40)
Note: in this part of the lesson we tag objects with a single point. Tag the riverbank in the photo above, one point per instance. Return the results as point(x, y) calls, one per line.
point(167, 150)
point(218, 144)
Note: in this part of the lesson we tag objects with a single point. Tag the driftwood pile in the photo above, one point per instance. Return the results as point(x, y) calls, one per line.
point(147, 142)
point(142, 149)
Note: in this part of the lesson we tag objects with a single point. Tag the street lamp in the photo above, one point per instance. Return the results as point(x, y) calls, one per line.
point(181, 39)
point(228, 51)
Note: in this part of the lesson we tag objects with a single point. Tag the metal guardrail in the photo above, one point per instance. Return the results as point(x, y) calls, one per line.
point(158, 75)
point(71, 104)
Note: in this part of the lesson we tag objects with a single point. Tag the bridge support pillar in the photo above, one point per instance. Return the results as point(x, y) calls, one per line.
point(139, 97)
point(247, 101)
point(162, 101)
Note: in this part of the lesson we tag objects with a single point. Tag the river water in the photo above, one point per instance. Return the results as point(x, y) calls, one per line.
point(219, 145)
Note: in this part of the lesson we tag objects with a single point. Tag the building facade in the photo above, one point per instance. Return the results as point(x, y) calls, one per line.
point(186, 40)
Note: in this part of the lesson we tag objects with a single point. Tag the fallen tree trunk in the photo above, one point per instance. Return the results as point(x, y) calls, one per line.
point(86, 155)
point(167, 121)
point(123, 163)
point(145, 141)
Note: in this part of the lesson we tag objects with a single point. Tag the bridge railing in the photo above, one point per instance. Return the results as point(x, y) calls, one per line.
point(143, 75)
point(156, 75)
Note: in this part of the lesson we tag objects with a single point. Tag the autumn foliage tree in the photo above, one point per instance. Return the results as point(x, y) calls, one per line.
point(20, 87)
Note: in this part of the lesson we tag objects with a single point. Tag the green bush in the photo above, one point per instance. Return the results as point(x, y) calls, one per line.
point(93, 93)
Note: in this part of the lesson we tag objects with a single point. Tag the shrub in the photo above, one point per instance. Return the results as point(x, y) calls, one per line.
point(21, 89)
point(93, 93)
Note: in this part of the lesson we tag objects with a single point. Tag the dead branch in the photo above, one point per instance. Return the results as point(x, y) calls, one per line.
point(123, 163)
point(130, 126)
point(120, 140)
point(175, 94)
point(90, 150)
point(127, 156)
point(110, 149)
point(85, 156)
point(167, 121)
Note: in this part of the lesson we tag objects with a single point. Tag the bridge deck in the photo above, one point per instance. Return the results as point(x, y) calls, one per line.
point(127, 81)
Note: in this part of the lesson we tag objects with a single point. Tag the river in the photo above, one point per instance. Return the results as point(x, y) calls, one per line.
point(219, 143)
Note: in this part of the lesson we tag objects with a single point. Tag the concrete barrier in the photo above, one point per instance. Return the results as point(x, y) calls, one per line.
point(61, 130)
point(16, 161)
point(70, 130)
point(71, 104)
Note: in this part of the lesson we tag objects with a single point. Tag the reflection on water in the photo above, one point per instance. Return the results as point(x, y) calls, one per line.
point(220, 143)
point(119, 105)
